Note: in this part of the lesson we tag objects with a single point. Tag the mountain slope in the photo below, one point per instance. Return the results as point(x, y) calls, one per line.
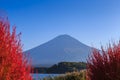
point(59, 49)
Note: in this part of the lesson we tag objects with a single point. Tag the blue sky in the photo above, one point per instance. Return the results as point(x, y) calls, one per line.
point(93, 22)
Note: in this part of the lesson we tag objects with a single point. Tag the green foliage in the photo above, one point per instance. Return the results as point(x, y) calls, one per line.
point(69, 76)
point(62, 67)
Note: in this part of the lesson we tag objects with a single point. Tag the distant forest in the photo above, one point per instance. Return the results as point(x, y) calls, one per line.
point(62, 67)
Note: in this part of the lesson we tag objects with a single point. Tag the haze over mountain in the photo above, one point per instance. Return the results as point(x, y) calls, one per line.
point(62, 48)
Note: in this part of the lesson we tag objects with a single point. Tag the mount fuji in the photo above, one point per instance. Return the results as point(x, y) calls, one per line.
point(62, 48)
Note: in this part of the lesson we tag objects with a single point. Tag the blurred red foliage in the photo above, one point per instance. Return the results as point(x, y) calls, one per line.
point(104, 64)
point(13, 64)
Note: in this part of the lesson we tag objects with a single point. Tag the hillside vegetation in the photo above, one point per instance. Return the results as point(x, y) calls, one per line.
point(62, 67)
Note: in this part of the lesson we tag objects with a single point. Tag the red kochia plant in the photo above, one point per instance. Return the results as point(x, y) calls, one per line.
point(104, 64)
point(13, 64)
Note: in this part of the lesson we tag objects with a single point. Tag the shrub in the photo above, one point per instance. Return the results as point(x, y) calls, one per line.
point(104, 64)
point(69, 76)
point(13, 64)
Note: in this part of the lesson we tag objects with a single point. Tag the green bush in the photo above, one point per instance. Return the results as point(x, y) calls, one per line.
point(69, 76)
